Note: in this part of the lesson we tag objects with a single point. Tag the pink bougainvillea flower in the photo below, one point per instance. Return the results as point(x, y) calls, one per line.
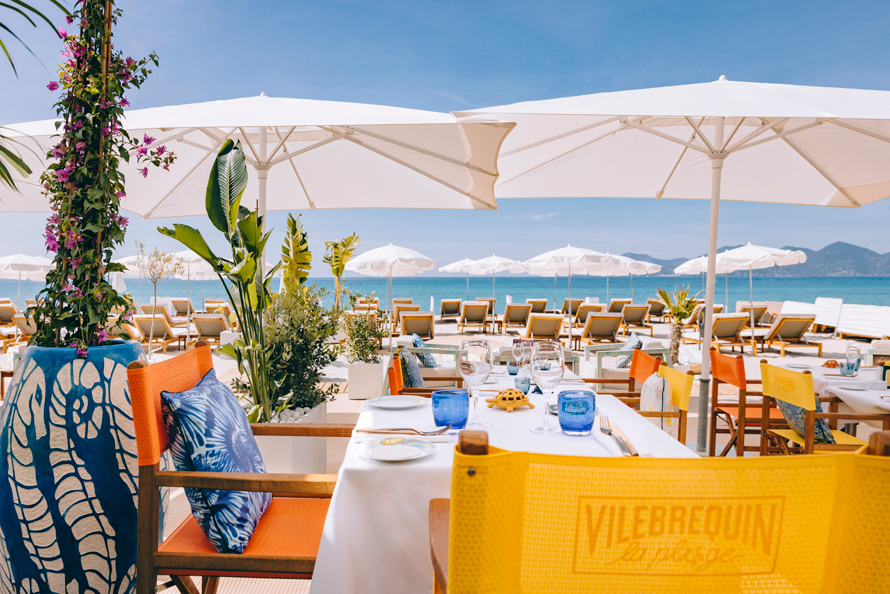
point(62, 33)
point(143, 171)
point(147, 139)
point(101, 335)
point(62, 175)
point(161, 150)
point(141, 151)
point(67, 287)
point(124, 102)
point(52, 245)
point(58, 151)
point(105, 131)
point(69, 19)
point(80, 146)
point(120, 194)
point(53, 86)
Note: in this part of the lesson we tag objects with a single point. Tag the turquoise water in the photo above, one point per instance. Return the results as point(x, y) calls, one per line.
point(863, 290)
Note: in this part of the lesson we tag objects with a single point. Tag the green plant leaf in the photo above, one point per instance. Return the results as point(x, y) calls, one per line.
point(228, 179)
point(193, 240)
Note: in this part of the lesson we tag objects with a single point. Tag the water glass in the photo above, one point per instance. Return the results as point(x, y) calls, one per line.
point(547, 367)
point(451, 407)
point(522, 382)
point(475, 362)
point(576, 411)
point(512, 368)
point(851, 364)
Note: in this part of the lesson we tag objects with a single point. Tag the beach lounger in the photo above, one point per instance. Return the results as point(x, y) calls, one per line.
point(365, 303)
point(162, 311)
point(7, 311)
point(210, 327)
point(449, 308)
point(163, 333)
point(656, 310)
point(828, 313)
point(492, 302)
point(182, 306)
point(616, 305)
point(417, 322)
point(758, 311)
point(402, 300)
point(583, 310)
point(634, 317)
point(698, 316)
point(726, 332)
point(538, 305)
point(867, 321)
point(286, 539)
point(600, 327)
point(741, 417)
point(398, 310)
point(543, 326)
point(516, 316)
point(473, 313)
point(570, 306)
point(786, 331)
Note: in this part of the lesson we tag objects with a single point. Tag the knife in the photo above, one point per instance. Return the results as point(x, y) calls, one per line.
point(627, 443)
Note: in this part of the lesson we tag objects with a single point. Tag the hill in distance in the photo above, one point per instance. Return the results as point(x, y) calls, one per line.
point(837, 259)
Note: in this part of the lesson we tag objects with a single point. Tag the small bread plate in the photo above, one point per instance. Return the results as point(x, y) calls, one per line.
point(399, 402)
point(854, 387)
point(396, 449)
point(798, 366)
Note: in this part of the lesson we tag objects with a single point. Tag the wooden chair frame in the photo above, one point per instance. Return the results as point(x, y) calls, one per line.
point(177, 374)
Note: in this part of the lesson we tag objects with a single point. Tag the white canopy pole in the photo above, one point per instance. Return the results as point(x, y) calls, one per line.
point(717, 158)
point(468, 285)
point(631, 287)
point(726, 288)
point(607, 287)
point(554, 290)
point(262, 173)
point(18, 299)
point(751, 288)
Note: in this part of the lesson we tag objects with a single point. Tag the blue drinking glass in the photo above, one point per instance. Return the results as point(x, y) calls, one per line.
point(522, 382)
point(451, 407)
point(576, 411)
point(512, 368)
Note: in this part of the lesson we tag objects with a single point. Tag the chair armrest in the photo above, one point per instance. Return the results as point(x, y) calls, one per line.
point(303, 429)
point(439, 516)
point(315, 485)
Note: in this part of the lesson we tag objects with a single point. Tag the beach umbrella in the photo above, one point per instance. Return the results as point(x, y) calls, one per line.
point(305, 155)
point(21, 266)
point(460, 266)
point(624, 266)
point(389, 261)
point(134, 269)
point(723, 140)
point(700, 266)
point(118, 283)
point(492, 265)
point(567, 261)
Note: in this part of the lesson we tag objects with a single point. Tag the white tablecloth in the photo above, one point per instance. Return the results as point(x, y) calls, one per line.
point(376, 537)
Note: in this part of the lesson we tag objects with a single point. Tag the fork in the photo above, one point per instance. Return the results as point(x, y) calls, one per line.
point(606, 427)
point(406, 430)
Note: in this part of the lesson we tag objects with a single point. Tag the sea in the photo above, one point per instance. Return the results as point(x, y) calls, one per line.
point(866, 290)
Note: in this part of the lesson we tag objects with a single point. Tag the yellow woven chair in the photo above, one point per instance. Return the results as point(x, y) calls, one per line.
point(796, 388)
point(521, 523)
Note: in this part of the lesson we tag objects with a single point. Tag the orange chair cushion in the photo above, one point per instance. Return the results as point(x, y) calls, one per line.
point(753, 414)
point(291, 527)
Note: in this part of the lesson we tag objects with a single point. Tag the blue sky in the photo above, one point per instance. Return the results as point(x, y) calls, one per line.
point(456, 55)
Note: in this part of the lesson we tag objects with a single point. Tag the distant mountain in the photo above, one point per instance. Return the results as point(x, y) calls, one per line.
point(837, 259)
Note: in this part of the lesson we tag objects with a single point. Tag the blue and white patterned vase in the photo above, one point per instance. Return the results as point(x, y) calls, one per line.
point(68, 460)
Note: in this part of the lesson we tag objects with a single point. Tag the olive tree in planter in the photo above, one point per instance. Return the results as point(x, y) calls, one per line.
point(679, 307)
point(363, 335)
point(66, 428)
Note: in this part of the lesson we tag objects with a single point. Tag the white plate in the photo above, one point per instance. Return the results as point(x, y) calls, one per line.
point(397, 402)
point(798, 366)
point(397, 449)
point(855, 388)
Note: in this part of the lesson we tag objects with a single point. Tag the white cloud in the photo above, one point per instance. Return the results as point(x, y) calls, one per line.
point(542, 217)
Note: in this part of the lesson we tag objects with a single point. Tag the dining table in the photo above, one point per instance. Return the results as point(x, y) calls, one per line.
point(376, 536)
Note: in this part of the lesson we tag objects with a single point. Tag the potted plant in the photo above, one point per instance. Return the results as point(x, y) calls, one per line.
point(67, 431)
point(364, 333)
point(679, 307)
point(298, 336)
point(156, 267)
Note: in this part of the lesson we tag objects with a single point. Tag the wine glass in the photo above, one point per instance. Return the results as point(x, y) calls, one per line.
point(547, 367)
point(475, 367)
point(517, 352)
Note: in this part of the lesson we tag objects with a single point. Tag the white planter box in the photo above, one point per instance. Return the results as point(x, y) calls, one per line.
point(296, 455)
point(365, 380)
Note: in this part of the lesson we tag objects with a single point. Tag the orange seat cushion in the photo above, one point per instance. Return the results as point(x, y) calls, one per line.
point(291, 527)
point(753, 414)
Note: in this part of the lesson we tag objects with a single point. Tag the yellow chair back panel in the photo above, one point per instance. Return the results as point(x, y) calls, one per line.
point(681, 386)
point(523, 523)
point(788, 386)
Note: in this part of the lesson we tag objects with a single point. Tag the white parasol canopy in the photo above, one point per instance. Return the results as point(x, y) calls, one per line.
point(460, 266)
point(567, 261)
point(492, 265)
point(777, 143)
point(624, 266)
point(389, 261)
point(21, 266)
point(305, 154)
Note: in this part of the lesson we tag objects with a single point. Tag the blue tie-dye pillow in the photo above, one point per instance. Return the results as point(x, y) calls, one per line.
point(796, 417)
point(426, 360)
point(208, 432)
